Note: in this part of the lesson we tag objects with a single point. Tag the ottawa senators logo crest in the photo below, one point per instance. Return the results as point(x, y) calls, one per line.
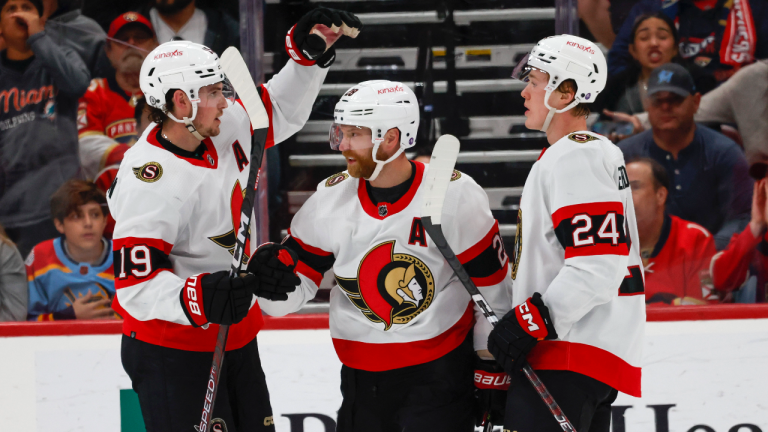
point(581, 137)
point(336, 179)
point(390, 288)
point(150, 172)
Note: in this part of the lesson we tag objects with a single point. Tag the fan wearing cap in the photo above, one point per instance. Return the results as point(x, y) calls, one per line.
point(403, 326)
point(105, 115)
point(743, 265)
point(707, 170)
point(579, 311)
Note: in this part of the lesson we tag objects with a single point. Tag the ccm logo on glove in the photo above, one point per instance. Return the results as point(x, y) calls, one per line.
point(528, 318)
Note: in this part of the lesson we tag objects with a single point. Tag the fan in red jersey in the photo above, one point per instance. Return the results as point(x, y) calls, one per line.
point(676, 253)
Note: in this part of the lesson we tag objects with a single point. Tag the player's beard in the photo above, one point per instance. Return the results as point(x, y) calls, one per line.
point(364, 166)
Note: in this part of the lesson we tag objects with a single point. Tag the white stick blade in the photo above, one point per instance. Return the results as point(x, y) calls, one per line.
point(439, 176)
point(237, 72)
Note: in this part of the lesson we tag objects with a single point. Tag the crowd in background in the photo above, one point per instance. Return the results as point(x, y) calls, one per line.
point(686, 101)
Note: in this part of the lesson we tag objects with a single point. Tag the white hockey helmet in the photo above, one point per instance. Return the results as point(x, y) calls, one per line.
point(182, 65)
point(379, 105)
point(566, 57)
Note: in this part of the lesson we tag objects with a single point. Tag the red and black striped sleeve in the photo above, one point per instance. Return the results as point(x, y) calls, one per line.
point(486, 261)
point(591, 229)
point(138, 260)
point(313, 261)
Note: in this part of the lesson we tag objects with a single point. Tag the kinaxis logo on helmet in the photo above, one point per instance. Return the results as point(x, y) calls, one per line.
point(390, 288)
point(174, 53)
point(580, 46)
point(395, 89)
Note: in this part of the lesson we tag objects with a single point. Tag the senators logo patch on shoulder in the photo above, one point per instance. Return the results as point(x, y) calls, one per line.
point(150, 172)
point(582, 137)
point(336, 179)
point(390, 288)
point(455, 175)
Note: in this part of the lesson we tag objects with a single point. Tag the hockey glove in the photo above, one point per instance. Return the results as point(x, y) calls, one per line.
point(519, 331)
point(491, 384)
point(217, 298)
point(274, 265)
point(311, 40)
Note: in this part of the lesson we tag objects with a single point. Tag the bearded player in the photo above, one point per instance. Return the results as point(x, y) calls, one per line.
point(579, 314)
point(402, 324)
point(177, 202)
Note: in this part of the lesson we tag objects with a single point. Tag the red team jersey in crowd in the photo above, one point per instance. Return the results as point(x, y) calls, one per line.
point(107, 128)
point(675, 269)
point(745, 257)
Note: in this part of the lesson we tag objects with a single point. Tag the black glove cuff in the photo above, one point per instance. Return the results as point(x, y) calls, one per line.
point(326, 60)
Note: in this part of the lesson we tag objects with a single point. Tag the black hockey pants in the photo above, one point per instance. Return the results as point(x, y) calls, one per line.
point(171, 385)
point(584, 400)
point(434, 396)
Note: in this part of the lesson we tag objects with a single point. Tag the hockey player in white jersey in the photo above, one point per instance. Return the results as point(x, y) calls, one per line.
point(177, 203)
point(402, 324)
point(579, 310)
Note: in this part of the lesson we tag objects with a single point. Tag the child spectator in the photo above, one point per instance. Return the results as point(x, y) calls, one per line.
point(40, 83)
point(743, 265)
point(13, 282)
point(71, 277)
point(676, 253)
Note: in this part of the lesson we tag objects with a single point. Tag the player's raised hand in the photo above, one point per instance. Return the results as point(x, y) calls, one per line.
point(519, 331)
point(274, 267)
point(311, 40)
point(217, 298)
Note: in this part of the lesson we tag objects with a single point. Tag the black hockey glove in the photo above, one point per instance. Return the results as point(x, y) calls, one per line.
point(274, 265)
point(519, 331)
point(308, 45)
point(491, 384)
point(217, 298)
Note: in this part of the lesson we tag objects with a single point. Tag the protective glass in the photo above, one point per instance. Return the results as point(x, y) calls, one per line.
point(522, 70)
point(347, 137)
point(212, 95)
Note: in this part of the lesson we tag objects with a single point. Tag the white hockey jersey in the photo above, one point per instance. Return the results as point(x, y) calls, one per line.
point(176, 212)
point(577, 245)
point(397, 302)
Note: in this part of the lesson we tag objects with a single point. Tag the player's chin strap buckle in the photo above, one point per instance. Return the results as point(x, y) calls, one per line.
point(188, 122)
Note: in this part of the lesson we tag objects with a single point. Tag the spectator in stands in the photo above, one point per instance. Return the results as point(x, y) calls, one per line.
point(181, 20)
point(743, 265)
point(717, 36)
point(70, 28)
point(40, 83)
point(708, 171)
point(141, 115)
point(13, 282)
point(676, 253)
point(653, 43)
point(742, 100)
point(71, 276)
point(106, 123)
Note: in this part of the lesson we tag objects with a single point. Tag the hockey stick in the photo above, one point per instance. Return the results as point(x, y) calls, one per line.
point(237, 72)
point(436, 185)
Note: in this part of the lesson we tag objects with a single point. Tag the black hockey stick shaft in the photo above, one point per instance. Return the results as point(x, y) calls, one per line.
point(436, 234)
point(258, 142)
